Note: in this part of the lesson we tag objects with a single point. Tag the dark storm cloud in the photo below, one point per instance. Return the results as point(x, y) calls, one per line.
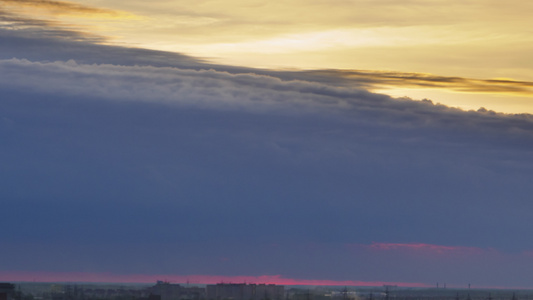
point(246, 116)
point(137, 161)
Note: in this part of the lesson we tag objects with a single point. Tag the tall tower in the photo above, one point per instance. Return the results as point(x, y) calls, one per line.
point(345, 294)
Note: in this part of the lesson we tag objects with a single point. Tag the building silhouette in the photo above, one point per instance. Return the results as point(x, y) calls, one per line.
point(7, 291)
point(169, 291)
point(243, 291)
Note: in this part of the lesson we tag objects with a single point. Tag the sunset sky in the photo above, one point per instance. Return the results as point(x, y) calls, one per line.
point(295, 142)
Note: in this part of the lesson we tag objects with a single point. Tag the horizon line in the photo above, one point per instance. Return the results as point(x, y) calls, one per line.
point(113, 278)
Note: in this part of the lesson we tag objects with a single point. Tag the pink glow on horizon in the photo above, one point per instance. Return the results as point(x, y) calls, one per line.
point(193, 279)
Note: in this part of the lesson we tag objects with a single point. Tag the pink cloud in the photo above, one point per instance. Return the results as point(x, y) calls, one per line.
point(194, 279)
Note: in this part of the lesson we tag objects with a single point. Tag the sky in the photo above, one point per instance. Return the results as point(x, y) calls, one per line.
point(296, 142)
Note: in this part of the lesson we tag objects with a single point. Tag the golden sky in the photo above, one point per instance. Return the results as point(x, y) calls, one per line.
point(474, 40)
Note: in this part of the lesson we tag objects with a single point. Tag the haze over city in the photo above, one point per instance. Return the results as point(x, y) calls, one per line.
point(341, 142)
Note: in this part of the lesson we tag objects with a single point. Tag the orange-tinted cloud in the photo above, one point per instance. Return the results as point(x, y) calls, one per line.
point(61, 7)
point(38, 18)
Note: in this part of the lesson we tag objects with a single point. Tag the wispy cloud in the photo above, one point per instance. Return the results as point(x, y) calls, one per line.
point(49, 19)
point(27, 18)
point(63, 7)
point(18, 26)
point(388, 79)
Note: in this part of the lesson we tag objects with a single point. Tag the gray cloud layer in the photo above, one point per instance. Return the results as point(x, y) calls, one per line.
point(142, 161)
point(222, 90)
